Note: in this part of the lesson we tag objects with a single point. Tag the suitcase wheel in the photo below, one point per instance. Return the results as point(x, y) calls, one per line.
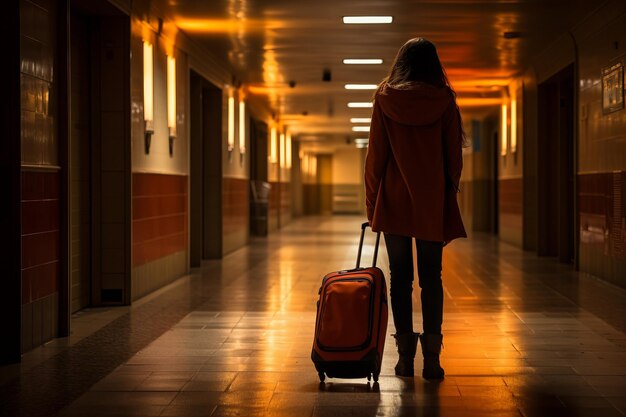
point(322, 376)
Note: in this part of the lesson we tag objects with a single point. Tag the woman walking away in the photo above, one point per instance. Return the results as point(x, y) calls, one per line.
point(412, 174)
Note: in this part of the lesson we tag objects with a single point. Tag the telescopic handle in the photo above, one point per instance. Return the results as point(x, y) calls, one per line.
point(358, 256)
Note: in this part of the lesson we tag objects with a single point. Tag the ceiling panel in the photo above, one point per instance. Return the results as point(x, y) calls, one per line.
point(271, 42)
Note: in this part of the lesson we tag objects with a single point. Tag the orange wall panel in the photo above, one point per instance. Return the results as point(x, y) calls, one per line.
point(160, 216)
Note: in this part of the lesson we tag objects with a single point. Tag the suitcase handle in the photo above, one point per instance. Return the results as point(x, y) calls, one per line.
point(358, 256)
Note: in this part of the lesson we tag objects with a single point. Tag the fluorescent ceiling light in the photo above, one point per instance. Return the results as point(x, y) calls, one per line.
point(365, 61)
point(360, 104)
point(361, 141)
point(367, 19)
point(360, 128)
point(360, 120)
point(361, 86)
point(361, 145)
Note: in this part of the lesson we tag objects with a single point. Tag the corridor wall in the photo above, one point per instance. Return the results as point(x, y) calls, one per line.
point(602, 148)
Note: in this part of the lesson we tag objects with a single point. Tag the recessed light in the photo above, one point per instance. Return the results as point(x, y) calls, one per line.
point(361, 141)
point(363, 61)
point(361, 86)
point(360, 20)
point(360, 120)
point(360, 128)
point(360, 104)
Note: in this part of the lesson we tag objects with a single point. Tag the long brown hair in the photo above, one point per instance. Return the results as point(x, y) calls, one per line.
point(417, 61)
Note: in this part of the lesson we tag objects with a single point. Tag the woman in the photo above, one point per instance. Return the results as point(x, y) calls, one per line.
point(412, 174)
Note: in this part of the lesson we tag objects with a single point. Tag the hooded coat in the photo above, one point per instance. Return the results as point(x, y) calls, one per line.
point(413, 164)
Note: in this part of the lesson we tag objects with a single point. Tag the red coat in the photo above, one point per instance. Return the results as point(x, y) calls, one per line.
point(413, 164)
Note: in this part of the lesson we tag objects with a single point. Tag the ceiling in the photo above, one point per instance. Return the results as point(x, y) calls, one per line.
point(269, 43)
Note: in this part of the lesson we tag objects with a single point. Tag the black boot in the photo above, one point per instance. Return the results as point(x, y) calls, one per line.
point(431, 348)
point(407, 346)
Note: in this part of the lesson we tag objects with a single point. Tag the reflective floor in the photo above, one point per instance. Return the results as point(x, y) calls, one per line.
point(523, 336)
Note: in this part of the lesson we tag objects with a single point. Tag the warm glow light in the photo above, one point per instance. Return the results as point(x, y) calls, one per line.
point(513, 126)
point(478, 101)
point(288, 149)
point(313, 166)
point(361, 86)
point(171, 95)
point(282, 150)
point(242, 127)
point(367, 19)
point(360, 128)
point(361, 145)
point(231, 123)
point(361, 141)
point(359, 61)
point(503, 130)
point(273, 153)
point(360, 120)
point(148, 86)
point(360, 105)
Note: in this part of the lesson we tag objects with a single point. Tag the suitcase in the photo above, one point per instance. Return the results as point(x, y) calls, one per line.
point(351, 322)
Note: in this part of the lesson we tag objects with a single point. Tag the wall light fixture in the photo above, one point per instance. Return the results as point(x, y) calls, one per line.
point(148, 94)
point(171, 101)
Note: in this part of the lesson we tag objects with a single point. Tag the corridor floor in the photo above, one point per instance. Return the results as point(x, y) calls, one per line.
point(523, 336)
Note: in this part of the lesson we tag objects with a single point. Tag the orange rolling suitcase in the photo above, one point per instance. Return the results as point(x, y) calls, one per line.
point(351, 322)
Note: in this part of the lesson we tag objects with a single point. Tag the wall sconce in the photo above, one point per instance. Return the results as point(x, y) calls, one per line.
point(242, 129)
point(513, 126)
point(503, 131)
point(148, 94)
point(282, 150)
point(273, 153)
point(231, 124)
point(288, 150)
point(171, 101)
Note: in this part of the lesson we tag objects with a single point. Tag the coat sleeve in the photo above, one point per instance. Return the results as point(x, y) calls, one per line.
point(376, 159)
point(453, 143)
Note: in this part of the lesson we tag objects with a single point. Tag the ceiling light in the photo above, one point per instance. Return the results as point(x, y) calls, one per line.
point(360, 128)
point(359, 61)
point(361, 86)
point(360, 120)
point(360, 104)
point(367, 19)
point(361, 141)
point(361, 145)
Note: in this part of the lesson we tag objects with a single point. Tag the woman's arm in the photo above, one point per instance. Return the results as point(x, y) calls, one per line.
point(376, 159)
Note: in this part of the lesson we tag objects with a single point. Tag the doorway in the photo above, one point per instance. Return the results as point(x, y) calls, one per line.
point(206, 170)
point(259, 186)
point(99, 158)
point(556, 167)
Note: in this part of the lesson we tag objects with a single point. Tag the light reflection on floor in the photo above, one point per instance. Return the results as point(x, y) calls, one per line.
point(513, 346)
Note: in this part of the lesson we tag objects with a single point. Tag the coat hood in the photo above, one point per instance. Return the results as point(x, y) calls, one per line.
point(418, 105)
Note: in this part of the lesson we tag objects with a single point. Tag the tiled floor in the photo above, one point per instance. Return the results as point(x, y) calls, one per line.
point(523, 337)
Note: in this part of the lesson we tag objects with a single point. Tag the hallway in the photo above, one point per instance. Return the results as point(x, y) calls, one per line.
point(523, 336)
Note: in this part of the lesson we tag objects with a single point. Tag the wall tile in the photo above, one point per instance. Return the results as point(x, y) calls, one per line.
point(160, 216)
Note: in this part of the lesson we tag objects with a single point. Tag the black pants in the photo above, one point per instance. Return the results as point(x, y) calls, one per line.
point(401, 282)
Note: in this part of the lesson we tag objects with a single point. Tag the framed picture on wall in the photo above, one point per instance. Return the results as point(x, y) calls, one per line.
point(612, 88)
